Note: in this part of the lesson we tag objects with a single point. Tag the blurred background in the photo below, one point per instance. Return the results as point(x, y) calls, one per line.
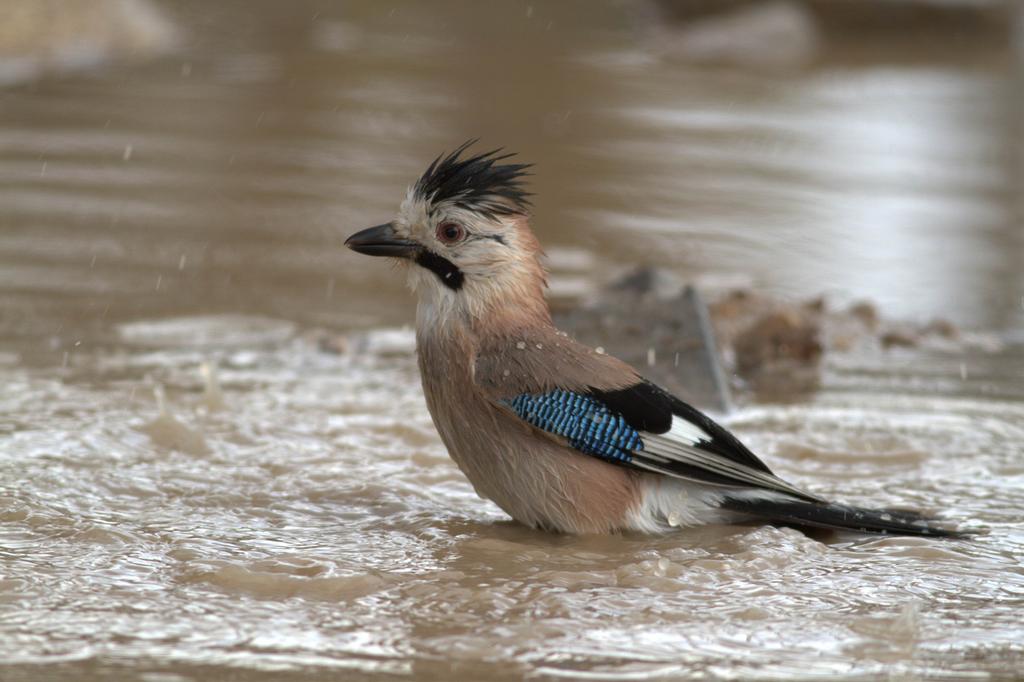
point(176, 157)
point(215, 460)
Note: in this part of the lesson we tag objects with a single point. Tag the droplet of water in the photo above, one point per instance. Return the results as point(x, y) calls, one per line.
point(505, 373)
point(599, 350)
point(161, 399)
point(521, 345)
point(674, 520)
point(167, 431)
point(213, 397)
point(540, 346)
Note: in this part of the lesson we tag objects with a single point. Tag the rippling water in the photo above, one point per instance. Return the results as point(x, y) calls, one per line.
point(304, 515)
point(191, 487)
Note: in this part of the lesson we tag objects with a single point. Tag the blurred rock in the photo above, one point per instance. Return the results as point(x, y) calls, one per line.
point(648, 282)
point(769, 347)
point(898, 338)
point(785, 344)
point(943, 328)
point(775, 348)
point(38, 37)
point(858, 328)
point(649, 320)
point(866, 313)
point(335, 344)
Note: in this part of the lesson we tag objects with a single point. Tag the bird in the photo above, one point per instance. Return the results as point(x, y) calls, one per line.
point(563, 437)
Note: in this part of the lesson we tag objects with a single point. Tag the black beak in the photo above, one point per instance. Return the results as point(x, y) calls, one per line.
point(381, 240)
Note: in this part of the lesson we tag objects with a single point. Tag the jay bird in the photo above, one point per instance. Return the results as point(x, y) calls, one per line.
point(560, 436)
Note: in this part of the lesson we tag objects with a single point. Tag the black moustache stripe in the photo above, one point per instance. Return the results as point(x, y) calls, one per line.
point(445, 270)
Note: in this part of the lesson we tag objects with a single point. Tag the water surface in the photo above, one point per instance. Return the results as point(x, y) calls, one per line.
point(294, 515)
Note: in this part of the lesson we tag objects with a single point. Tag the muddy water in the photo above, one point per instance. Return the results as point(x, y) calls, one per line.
point(191, 488)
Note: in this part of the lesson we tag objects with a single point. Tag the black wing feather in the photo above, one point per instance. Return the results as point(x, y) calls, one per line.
point(842, 516)
point(647, 407)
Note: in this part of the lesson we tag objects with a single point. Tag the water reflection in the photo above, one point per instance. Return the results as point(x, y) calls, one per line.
point(246, 158)
point(848, 174)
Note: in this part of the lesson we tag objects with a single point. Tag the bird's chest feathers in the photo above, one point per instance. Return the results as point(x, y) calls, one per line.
point(445, 357)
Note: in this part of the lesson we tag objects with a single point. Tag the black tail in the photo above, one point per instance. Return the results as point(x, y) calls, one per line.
point(841, 516)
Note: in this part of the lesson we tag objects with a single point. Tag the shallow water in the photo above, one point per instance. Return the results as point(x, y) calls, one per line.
point(191, 488)
point(303, 515)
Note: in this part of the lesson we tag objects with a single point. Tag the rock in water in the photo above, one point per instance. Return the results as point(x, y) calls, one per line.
point(38, 37)
point(661, 328)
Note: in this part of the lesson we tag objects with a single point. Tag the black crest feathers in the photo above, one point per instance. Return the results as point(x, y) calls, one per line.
point(476, 183)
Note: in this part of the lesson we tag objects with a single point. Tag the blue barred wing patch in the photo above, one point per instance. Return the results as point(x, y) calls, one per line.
point(589, 426)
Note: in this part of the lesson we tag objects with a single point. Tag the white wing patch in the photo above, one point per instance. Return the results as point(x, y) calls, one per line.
point(686, 432)
point(681, 443)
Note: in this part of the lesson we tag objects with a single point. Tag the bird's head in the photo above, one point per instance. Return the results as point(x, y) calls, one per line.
point(462, 231)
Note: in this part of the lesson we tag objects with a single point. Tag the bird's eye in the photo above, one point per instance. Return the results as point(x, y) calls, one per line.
point(450, 233)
